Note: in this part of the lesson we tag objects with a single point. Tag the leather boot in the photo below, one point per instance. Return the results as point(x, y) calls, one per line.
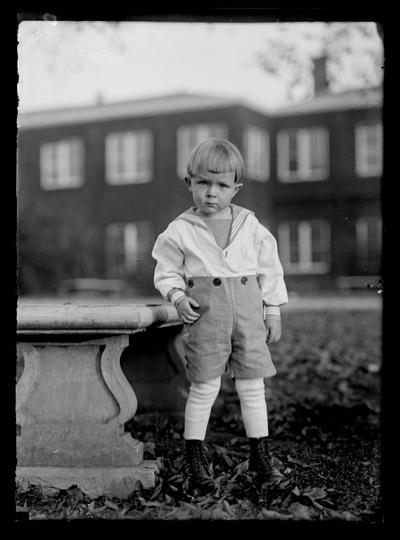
point(260, 461)
point(196, 467)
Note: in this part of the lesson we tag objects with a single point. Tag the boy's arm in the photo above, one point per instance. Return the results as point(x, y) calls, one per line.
point(168, 274)
point(270, 275)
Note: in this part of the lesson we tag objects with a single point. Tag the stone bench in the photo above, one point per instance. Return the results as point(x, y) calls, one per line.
point(77, 390)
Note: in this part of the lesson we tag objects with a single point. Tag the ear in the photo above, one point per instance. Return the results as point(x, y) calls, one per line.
point(238, 187)
point(188, 183)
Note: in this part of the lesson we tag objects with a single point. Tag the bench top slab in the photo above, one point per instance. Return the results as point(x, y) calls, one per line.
point(81, 318)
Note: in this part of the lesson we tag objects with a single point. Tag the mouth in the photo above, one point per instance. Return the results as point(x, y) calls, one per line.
point(210, 204)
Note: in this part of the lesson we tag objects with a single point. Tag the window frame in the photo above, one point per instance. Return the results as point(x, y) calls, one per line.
point(304, 246)
point(121, 147)
point(133, 247)
point(362, 165)
point(56, 163)
point(364, 252)
point(255, 169)
point(304, 172)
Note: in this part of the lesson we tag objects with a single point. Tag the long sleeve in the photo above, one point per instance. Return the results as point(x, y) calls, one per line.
point(168, 273)
point(270, 271)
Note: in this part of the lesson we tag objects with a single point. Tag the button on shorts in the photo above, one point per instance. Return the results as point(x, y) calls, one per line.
point(230, 332)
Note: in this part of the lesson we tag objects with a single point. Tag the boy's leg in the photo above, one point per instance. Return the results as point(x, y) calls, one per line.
point(253, 406)
point(201, 398)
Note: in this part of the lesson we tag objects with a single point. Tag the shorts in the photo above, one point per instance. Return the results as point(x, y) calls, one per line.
point(230, 332)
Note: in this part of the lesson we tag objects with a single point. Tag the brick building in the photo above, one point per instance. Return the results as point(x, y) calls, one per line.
point(97, 184)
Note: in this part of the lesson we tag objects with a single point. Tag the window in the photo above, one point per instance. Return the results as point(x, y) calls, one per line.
point(129, 157)
point(368, 149)
point(304, 246)
point(303, 154)
point(256, 153)
point(127, 247)
point(61, 164)
point(369, 242)
point(190, 136)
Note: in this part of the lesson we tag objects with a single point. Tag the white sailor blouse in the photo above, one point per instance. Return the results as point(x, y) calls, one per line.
point(187, 248)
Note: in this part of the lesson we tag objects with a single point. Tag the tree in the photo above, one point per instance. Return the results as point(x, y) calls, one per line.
point(353, 51)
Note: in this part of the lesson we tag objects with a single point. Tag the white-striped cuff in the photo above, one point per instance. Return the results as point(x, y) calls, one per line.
point(274, 312)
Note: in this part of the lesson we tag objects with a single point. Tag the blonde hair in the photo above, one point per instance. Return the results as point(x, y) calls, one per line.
point(216, 156)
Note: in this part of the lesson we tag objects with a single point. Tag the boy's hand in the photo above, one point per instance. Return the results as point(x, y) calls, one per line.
point(274, 329)
point(185, 311)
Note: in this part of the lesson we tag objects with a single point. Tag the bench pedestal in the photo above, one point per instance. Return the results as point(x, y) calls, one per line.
point(72, 403)
point(94, 481)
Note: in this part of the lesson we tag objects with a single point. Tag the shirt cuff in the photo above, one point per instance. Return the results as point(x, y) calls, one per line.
point(272, 312)
point(177, 295)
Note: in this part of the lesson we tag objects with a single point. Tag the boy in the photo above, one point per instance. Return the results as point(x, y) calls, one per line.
point(220, 268)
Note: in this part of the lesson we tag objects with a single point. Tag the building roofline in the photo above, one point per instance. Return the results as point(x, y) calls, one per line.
point(165, 104)
point(173, 103)
point(350, 99)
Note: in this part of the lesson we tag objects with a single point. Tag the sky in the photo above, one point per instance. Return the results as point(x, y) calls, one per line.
point(59, 66)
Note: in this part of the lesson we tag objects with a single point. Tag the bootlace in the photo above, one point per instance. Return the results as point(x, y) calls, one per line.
point(196, 462)
point(199, 462)
point(263, 456)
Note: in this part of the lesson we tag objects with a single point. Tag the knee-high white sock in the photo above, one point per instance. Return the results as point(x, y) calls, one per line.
point(198, 407)
point(253, 406)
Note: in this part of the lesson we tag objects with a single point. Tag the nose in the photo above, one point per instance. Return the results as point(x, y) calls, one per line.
point(211, 191)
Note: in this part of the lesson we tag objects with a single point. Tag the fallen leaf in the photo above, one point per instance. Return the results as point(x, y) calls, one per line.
point(170, 513)
point(328, 503)
point(284, 485)
point(152, 503)
point(218, 513)
point(124, 510)
point(183, 514)
point(271, 514)
point(227, 507)
point(112, 505)
point(241, 468)
point(276, 476)
point(348, 516)
point(296, 491)
point(300, 511)
point(297, 462)
point(221, 451)
point(157, 490)
point(99, 509)
point(277, 463)
point(314, 503)
point(205, 501)
point(315, 493)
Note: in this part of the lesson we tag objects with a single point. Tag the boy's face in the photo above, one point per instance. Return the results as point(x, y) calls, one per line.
point(213, 192)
